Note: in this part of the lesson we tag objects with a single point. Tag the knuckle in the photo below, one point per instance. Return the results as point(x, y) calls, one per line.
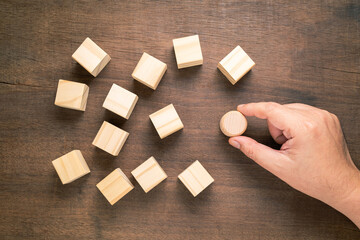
point(270, 106)
point(250, 152)
point(311, 126)
point(336, 119)
point(325, 116)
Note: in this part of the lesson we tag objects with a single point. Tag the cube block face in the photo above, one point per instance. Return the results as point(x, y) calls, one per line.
point(72, 95)
point(149, 71)
point(236, 64)
point(120, 101)
point(91, 57)
point(188, 51)
point(115, 186)
point(166, 121)
point(149, 174)
point(196, 178)
point(110, 138)
point(71, 166)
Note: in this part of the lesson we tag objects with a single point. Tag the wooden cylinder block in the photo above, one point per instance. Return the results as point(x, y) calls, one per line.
point(233, 123)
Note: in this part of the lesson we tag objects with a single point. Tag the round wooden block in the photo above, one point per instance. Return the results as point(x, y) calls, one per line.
point(233, 123)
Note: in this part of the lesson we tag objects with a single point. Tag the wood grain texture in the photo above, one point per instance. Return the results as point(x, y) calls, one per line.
point(188, 51)
point(305, 53)
point(149, 71)
point(149, 174)
point(72, 95)
point(166, 121)
point(233, 123)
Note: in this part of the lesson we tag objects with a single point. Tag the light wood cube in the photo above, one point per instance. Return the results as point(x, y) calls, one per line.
point(110, 138)
point(149, 174)
point(149, 71)
point(195, 178)
point(115, 186)
point(188, 51)
point(236, 64)
point(71, 166)
point(91, 57)
point(72, 95)
point(120, 101)
point(166, 121)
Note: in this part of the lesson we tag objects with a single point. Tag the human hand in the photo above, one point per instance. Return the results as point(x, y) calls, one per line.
point(313, 158)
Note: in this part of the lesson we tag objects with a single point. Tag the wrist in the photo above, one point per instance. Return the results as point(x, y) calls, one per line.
point(349, 204)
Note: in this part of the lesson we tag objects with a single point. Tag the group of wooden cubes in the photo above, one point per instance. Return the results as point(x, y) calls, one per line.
point(149, 71)
point(149, 174)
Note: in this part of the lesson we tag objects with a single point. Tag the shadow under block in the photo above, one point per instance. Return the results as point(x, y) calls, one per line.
point(188, 51)
point(166, 121)
point(149, 174)
point(72, 95)
point(120, 101)
point(149, 71)
point(110, 138)
point(91, 57)
point(71, 166)
point(195, 178)
point(115, 186)
point(233, 123)
point(236, 64)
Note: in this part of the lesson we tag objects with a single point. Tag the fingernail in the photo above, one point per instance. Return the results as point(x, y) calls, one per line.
point(241, 105)
point(235, 144)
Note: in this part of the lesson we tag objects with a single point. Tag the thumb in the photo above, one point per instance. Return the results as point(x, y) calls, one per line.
point(268, 158)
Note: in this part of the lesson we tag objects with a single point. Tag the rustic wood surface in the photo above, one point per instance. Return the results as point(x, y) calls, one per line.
point(304, 52)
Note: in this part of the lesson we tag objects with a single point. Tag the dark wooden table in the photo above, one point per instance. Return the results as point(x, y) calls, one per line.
point(307, 53)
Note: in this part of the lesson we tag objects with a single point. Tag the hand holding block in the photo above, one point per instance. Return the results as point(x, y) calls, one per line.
point(91, 57)
point(120, 101)
point(115, 186)
point(72, 95)
point(149, 174)
point(188, 51)
point(149, 71)
point(236, 64)
point(110, 138)
point(71, 166)
point(196, 178)
point(233, 123)
point(166, 121)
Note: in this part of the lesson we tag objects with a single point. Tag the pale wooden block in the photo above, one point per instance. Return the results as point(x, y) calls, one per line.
point(149, 71)
point(120, 101)
point(195, 178)
point(91, 57)
point(72, 95)
point(149, 174)
point(166, 121)
point(233, 123)
point(188, 51)
point(236, 64)
point(71, 166)
point(110, 138)
point(115, 186)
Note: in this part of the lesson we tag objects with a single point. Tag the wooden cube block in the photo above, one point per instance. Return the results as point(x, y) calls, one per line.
point(110, 138)
point(72, 95)
point(71, 166)
point(166, 121)
point(233, 123)
point(188, 51)
point(120, 101)
point(236, 64)
point(115, 186)
point(149, 174)
point(149, 71)
point(196, 178)
point(91, 57)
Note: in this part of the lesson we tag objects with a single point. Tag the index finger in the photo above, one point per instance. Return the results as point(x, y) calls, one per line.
point(279, 116)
